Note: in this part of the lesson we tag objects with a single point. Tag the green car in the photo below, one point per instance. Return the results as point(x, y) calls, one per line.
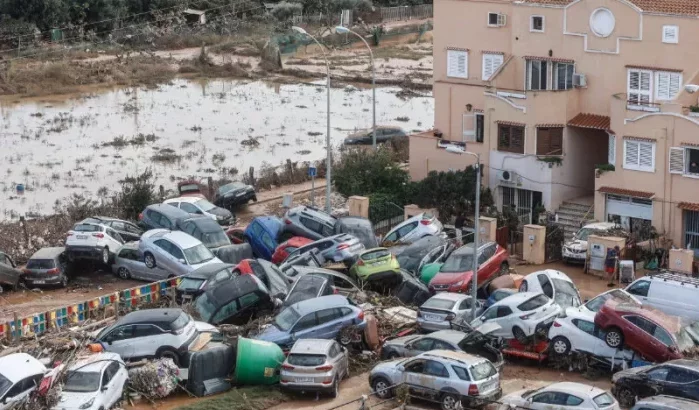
point(429, 271)
point(375, 264)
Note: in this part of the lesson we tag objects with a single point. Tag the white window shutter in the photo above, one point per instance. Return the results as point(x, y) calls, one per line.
point(675, 84)
point(457, 63)
point(645, 86)
point(671, 34)
point(676, 160)
point(611, 158)
point(468, 127)
point(639, 86)
point(631, 154)
point(662, 86)
point(491, 62)
point(646, 156)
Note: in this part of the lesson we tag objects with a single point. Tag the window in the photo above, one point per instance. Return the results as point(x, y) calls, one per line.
point(549, 141)
point(461, 373)
point(691, 230)
point(639, 288)
point(416, 366)
point(504, 311)
point(472, 127)
point(585, 326)
point(440, 345)
point(306, 322)
point(465, 304)
point(536, 24)
point(639, 155)
point(520, 200)
point(563, 75)
point(132, 229)
point(684, 161)
point(437, 369)
point(537, 75)
point(511, 138)
point(124, 332)
point(226, 312)
point(678, 375)
point(671, 34)
point(611, 154)
point(248, 300)
point(658, 374)
point(639, 87)
point(533, 303)
point(457, 63)
point(546, 286)
point(496, 20)
point(667, 85)
point(146, 330)
point(310, 224)
point(491, 63)
point(267, 240)
point(662, 335)
point(328, 315)
point(189, 208)
point(423, 345)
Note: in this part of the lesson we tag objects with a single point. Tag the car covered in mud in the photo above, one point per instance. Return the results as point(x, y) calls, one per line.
point(679, 378)
point(234, 194)
point(9, 274)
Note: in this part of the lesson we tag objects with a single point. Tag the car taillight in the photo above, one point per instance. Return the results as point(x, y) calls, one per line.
point(69, 233)
point(360, 262)
point(473, 390)
point(287, 221)
point(451, 316)
point(53, 271)
point(360, 316)
point(287, 367)
point(342, 246)
point(98, 235)
point(525, 317)
point(140, 216)
point(425, 221)
point(556, 324)
point(325, 368)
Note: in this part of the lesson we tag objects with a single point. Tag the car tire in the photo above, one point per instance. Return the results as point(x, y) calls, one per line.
point(523, 287)
point(504, 269)
point(149, 260)
point(169, 354)
point(560, 345)
point(449, 401)
point(344, 337)
point(381, 387)
point(614, 338)
point(106, 257)
point(124, 273)
point(519, 334)
point(335, 391)
point(626, 397)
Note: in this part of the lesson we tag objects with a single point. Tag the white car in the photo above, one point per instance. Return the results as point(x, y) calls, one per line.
point(412, 229)
point(575, 250)
point(20, 374)
point(554, 284)
point(92, 241)
point(577, 332)
point(200, 206)
point(561, 396)
point(96, 382)
point(594, 304)
point(520, 316)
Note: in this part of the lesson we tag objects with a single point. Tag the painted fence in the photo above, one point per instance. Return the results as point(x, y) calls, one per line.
point(77, 313)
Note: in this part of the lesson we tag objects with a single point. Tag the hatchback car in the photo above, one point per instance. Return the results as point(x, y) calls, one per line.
point(383, 134)
point(563, 396)
point(286, 248)
point(20, 375)
point(262, 234)
point(174, 251)
point(128, 264)
point(376, 264)
point(290, 266)
point(9, 274)
point(199, 281)
point(93, 242)
point(337, 248)
point(575, 250)
point(129, 231)
point(412, 229)
point(47, 266)
point(235, 301)
point(152, 333)
point(234, 194)
point(457, 271)
point(161, 216)
point(454, 379)
point(315, 282)
point(498, 295)
point(439, 310)
point(652, 334)
point(679, 378)
point(664, 402)
point(521, 316)
point(96, 382)
point(315, 365)
point(308, 222)
point(554, 284)
point(430, 249)
point(325, 317)
point(201, 206)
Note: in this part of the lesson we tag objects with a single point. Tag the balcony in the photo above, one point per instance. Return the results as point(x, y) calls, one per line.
point(534, 107)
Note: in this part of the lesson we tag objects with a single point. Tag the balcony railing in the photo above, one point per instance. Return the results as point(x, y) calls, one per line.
point(642, 106)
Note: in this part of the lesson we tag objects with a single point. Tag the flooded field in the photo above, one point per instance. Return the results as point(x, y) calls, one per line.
point(85, 144)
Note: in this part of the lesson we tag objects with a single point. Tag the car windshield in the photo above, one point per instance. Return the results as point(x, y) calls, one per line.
point(205, 307)
point(603, 400)
point(286, 318)
point(190, 283)
point(458, 262)
point(230, 187)
point(437, 303)
point(82, 382)
point(583, 233)
point(566, 294)
point(198, 254)
point(534, 303)
point(87, 228)
point(380, 253)
point(180, 322)
point(215, 239)
point(205, 205)
point(5, 385)
point(40, 264)
point(306, 359)
point(189, 187)
point(596, 303)
point(482, 370)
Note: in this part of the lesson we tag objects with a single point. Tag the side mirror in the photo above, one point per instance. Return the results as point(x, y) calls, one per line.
point(400, 368)
point(182, 261)
point(104, 388)
point(482, 318)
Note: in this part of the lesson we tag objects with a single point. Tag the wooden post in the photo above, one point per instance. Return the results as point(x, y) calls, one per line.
point(23, 222)
point(18, 325)
point(210, 181)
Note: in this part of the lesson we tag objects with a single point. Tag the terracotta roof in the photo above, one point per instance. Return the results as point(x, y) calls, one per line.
point(457, 48)
point(681, 7)
point(690, 144)
point(550, 125)
point(644, 139)
point(625, 192)
point(478, 111)
point(584, 120)
point(648, 67)
point(516, 124)
point(688, 206)
point(557, 60)
point(492, 52)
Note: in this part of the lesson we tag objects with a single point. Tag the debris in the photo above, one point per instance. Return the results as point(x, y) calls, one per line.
point(155, 379)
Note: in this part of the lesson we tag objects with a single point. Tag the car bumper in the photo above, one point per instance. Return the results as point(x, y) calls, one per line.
point(483, 399)
point(310, 387)
point(379, 276)
point(574, 256)
point(84, 252)
point(432, 325)
point(43, 279)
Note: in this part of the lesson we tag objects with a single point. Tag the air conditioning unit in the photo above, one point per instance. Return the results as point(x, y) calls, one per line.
point(579, 80)
point(509, 177)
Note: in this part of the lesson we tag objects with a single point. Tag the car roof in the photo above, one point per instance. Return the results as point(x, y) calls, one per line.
point(660, 318)
point(675, 402)
point(580, 313)
point(600, 226)
point(48, 253)
point(311, 305)
point(692, 364)
point(311, 346)
point(150, 315)
point(309, 270)
point(310, 210)
point(204, 223)
point(451, 336)
point(517, 298)
point(180, 238)
point(169, 210)
point(95, 362)
point(233, 288)
point(552, 273)
point(453, 355)
point(468, 248)
point(270, 223)
point(17, 366)
point(209, 270)
point(450, 296)
point(579, 388)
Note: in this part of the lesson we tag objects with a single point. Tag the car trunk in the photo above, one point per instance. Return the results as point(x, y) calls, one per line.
point(434, 315)
point(38, 270)
point(306, 371)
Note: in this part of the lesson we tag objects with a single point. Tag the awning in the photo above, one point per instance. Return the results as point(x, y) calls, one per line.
point(626, 192)
point(688, 206)
point(593, 121)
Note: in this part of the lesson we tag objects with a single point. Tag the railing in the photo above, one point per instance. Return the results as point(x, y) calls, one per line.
point(642, 106)
point(423, 11)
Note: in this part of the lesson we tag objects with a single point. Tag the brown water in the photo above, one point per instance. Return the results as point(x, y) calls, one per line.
point(84, 144)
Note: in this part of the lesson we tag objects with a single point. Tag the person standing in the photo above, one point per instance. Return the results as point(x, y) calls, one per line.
point(459, 226)
point(610, 264)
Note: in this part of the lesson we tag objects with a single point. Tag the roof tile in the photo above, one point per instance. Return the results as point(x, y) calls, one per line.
point(688, 206)
point(625, 192)
point(679, 7)
point(515, 124)
point(584, 120)
point(555, 59)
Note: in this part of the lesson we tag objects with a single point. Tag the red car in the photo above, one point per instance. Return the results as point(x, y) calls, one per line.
point(283, 250)
point(651, 333)
point(456, 272)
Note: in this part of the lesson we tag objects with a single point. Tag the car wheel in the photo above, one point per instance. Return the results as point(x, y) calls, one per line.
point(523, 287)
point(519, 334)
point(504, 269)
point(105, 255)
point(169, 354)
point(450, 402)
point(560, 345)
point(626, 397)
point(345, 336)
point(124, 273)
point(614, 338)
point(149, 260)
point(335, 389)
point(381, 387)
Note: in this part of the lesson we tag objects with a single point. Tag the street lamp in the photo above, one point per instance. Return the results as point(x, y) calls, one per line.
point(474, 280)
point(345, 30)
point(328, 160)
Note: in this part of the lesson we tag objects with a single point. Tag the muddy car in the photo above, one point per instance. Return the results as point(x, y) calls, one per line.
point(233, 195)
point(47, 267)
point(235, 301)
point(679, 378)
point(9, 274)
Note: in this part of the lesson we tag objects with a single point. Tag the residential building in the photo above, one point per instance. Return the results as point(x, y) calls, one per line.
point(580, 106)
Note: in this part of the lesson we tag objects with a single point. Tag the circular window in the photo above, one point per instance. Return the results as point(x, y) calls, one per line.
point(602, 22)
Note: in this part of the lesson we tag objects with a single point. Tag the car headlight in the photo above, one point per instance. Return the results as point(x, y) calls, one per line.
point(459, 283)
point(88, 404)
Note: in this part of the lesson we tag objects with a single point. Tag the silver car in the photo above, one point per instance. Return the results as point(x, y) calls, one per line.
point(439, 310)
point(174, 251)
point(315, 365)
point(451, 378)
point(412, 229)
point(128, 264)
point(336, 248)
point(308, 222)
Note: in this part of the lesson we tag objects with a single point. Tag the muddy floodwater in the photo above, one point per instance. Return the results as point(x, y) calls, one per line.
point(85, 144)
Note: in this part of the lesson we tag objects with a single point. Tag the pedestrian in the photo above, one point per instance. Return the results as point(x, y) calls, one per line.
point(610, 264)
point(459, 225)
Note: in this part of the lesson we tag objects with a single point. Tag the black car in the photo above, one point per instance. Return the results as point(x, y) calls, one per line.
point(428, 249)
point(129, 231)
point(411, 291)
point(9, 274)
point(679, 378)
point(383, 134)
point(161, 216)
point(199, 281)
point(663, 402)
point(235, 301)
point(359, 227)
point(234, 194)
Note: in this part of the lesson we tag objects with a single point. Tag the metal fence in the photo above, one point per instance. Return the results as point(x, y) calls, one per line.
point(385, 216)
point(423, 11)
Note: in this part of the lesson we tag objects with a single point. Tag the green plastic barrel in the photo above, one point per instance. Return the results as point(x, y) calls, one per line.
point(258, 362)
point(428, 272)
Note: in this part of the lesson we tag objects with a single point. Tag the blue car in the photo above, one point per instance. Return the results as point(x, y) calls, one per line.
point(262, 235)
point(498, 295)
point(319, 318)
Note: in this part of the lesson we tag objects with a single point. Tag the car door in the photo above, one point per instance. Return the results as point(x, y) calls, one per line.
point(435, 378)
point(464, 307)
point(269, 245)
point(19, 392)
point(330, 323)
point(407, 232)
point(681, 382)
point(419, 346)
point(227, 313)
point(412, 376)
point(115, 240)
point(306, 327)
point(486, 270)
point(132, 260)
point(589, 338)
point(506, 319)
point(165, 257)
point(107, 386)
point(121, 340)
point(654, 383)
point(8, 273)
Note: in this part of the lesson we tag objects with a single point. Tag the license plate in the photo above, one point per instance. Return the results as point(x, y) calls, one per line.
point(39, 282)
point(304, 380)
point(81, 236)
point(432, 318)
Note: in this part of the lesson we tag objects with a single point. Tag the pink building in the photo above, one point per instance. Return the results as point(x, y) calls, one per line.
point(548, 91)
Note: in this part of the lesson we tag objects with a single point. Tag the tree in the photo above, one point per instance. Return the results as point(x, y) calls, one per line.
point(366, 172)
point(284, 10)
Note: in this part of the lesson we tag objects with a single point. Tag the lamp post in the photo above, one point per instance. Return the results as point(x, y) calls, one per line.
point(328, 160)
point(345, 30)
point(474, 279)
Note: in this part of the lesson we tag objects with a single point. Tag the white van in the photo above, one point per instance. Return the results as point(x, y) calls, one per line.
point(575, 250)
point(673, 293)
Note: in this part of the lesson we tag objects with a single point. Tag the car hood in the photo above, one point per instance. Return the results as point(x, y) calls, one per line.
point(218, 211)
point(629, 372)
point(447, 278)
point(73, 400)
point(400, 341)
point(576, 244)
point(203, 327)
point(271, 333)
